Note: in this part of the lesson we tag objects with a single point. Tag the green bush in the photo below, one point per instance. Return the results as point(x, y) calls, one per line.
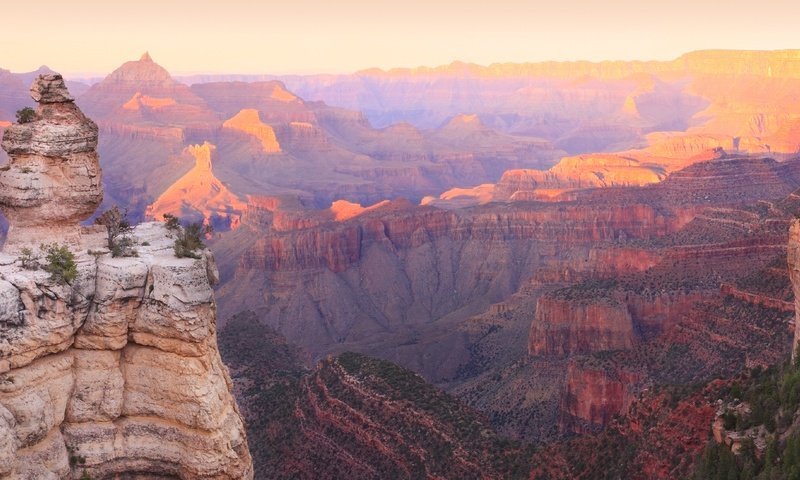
point(27, 259)
point(26, 115)
point(60, 263)
point(118, 230)
point(189, 240)
point(172, 222)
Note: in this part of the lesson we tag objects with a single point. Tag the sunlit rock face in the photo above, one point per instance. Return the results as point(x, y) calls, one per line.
point(249, 122)
point(199, 195)
point(53, 179)
point(115, 372)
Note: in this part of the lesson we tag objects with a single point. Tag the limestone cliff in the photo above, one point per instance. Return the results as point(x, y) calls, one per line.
point(116, 372)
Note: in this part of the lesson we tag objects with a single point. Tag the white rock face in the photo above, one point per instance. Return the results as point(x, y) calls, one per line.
point(53, 180)
point(118, 373)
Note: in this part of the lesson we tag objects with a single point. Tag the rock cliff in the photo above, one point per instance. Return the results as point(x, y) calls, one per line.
point(793, 254)
point(116, 371)
point(568, 327)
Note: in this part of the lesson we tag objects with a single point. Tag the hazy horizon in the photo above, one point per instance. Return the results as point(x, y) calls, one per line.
point(308, 36)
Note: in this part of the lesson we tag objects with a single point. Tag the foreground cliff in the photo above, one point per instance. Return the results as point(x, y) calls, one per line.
point(115, 371)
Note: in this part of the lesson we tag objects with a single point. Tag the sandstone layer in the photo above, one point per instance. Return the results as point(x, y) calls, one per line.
point(52, 181)
point(118, 373)
point(199, 195)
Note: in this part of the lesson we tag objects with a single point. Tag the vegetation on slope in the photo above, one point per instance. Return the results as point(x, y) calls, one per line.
point(355, 417)
point(773, 398)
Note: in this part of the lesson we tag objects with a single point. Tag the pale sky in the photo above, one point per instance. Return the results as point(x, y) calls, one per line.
point(342, 36)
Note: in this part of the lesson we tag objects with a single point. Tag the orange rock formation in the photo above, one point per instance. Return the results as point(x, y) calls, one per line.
point(249, 122)
point(199, 192)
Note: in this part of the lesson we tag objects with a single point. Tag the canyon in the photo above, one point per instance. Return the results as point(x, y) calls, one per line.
point(551, 254)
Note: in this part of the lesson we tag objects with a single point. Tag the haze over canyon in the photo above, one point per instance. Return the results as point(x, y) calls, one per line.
point(522, 270)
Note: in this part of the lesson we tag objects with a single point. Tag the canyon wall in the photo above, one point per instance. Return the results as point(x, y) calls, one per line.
point(398, 271)
point(793, 255)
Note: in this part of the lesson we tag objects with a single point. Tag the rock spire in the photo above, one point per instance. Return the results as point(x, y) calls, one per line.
point(53, 180)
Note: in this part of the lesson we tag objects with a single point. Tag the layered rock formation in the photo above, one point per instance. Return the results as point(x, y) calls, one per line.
point(435, 262)
point(592, 397)
point(794, 273)
point(248, 121)
point(115, 372)
point(199, 195)
point(53, 179)
point(271, 142)
point(571, 327)
point(143, 90)
point(321, 277)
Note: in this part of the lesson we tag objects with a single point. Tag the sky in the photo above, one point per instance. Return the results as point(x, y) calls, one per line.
point(342, 36)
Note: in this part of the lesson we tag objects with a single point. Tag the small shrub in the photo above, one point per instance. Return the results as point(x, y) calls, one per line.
point(26, 115)
point(27, 259)
point(729, 420)
point(123, 247)
point(189, 240)
point(60, 263)
point(172, 222)
point(118, 230)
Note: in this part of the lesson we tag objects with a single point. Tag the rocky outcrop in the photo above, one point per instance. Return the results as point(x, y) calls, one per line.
point(199, 195)
point(53, 179)
point(274, 103)
point(143, 91)
point(119, 372)
point(567, 327)
point(593, 396)
point(681, 145)
point(793, 254)
point(571, 173)
point(114, 372)
point(248, 122)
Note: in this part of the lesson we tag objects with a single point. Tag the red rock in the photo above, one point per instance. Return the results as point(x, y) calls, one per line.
point(567, 327)
point(593, 397)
